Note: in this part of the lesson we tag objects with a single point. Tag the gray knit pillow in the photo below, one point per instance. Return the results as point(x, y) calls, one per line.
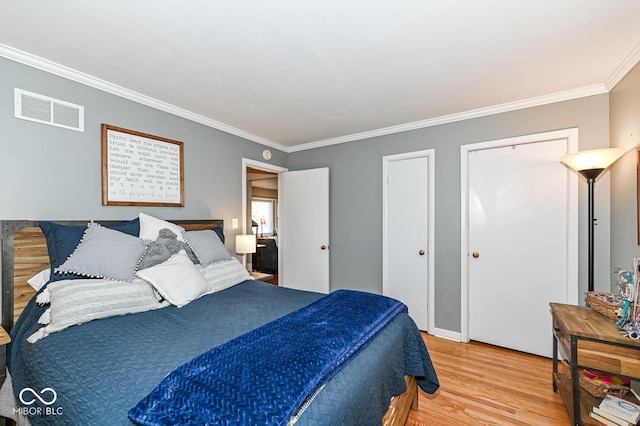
point(104, 253)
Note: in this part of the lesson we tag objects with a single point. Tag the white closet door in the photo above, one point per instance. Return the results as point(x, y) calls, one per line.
point(518, 228)
point(406, 250)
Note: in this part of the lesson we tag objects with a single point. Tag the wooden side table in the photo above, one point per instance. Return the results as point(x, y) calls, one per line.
point(589, 340)
point(260, 276)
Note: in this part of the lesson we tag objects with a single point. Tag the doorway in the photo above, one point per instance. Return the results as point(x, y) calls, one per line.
point(260, 184)
point(301, 221)
point(519, 239)
point(262, 191)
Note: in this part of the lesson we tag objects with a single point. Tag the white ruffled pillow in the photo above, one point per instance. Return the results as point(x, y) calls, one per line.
point(40, 279)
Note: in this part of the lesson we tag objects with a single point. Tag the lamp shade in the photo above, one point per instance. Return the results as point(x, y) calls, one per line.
point(593, 159)
point(245, 244)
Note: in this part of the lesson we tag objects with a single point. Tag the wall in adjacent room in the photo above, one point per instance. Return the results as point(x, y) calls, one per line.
point(356, 194)
point(53, 173)
point(625, 133)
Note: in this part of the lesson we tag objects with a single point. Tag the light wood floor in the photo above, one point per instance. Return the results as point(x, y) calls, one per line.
point(486, 385)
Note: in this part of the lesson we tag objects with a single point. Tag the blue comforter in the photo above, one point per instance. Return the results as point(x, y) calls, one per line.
point(101, 369)
point(263, 376)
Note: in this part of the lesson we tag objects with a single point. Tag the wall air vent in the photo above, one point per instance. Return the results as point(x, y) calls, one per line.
point(46, 110)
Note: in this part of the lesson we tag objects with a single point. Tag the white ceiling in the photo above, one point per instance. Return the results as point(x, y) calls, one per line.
point(295, 74)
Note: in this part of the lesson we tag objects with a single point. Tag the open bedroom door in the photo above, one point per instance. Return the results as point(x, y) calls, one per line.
point(304, 229)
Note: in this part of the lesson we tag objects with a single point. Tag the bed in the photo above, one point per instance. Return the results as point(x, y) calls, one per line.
point(103, 368)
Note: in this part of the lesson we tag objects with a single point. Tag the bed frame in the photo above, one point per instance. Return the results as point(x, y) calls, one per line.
point(24, 254)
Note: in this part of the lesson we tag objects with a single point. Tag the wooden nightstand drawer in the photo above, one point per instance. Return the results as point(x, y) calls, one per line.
point(607, 357)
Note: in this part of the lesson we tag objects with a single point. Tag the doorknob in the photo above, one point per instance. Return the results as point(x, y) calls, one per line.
point(421, 252)
point(475, 255)
point(323, 247)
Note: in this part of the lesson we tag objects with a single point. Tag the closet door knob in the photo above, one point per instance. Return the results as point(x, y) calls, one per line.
point(323, 247)
point(421, 252)
point(475, 255)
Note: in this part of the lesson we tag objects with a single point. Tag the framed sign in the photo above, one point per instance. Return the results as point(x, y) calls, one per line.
point(140, 169)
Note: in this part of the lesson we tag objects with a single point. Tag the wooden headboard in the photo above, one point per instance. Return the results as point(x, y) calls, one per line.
point(24, 254)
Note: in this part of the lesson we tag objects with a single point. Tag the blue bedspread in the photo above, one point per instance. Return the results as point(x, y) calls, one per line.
point(265, 375)
point(101, 369)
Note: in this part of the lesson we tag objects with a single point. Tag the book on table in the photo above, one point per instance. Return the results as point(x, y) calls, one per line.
point(617, 421)
point(621, 408)
point(603, 420)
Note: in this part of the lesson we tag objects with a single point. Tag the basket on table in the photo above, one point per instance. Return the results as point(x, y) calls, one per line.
point(599, 384)
point(607, 304)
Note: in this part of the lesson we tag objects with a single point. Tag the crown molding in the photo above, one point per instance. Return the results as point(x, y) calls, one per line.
point(476, 113)
point(89, 80)
point(60, 70)
point(623, 68)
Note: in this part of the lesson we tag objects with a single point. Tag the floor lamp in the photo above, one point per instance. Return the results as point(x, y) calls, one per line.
point(590, 164)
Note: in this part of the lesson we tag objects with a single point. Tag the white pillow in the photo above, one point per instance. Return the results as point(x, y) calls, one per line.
point(150, 227)
point(177, 280)
point(40, 279)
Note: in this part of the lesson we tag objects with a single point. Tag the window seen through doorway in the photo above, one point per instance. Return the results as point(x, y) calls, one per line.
point(262, 214)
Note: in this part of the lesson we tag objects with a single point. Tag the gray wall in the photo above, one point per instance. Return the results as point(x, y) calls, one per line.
point(625, 133)
point(53, 173)
point(356, 193)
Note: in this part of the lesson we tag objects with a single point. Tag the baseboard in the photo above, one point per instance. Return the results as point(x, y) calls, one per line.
point(447, 334)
